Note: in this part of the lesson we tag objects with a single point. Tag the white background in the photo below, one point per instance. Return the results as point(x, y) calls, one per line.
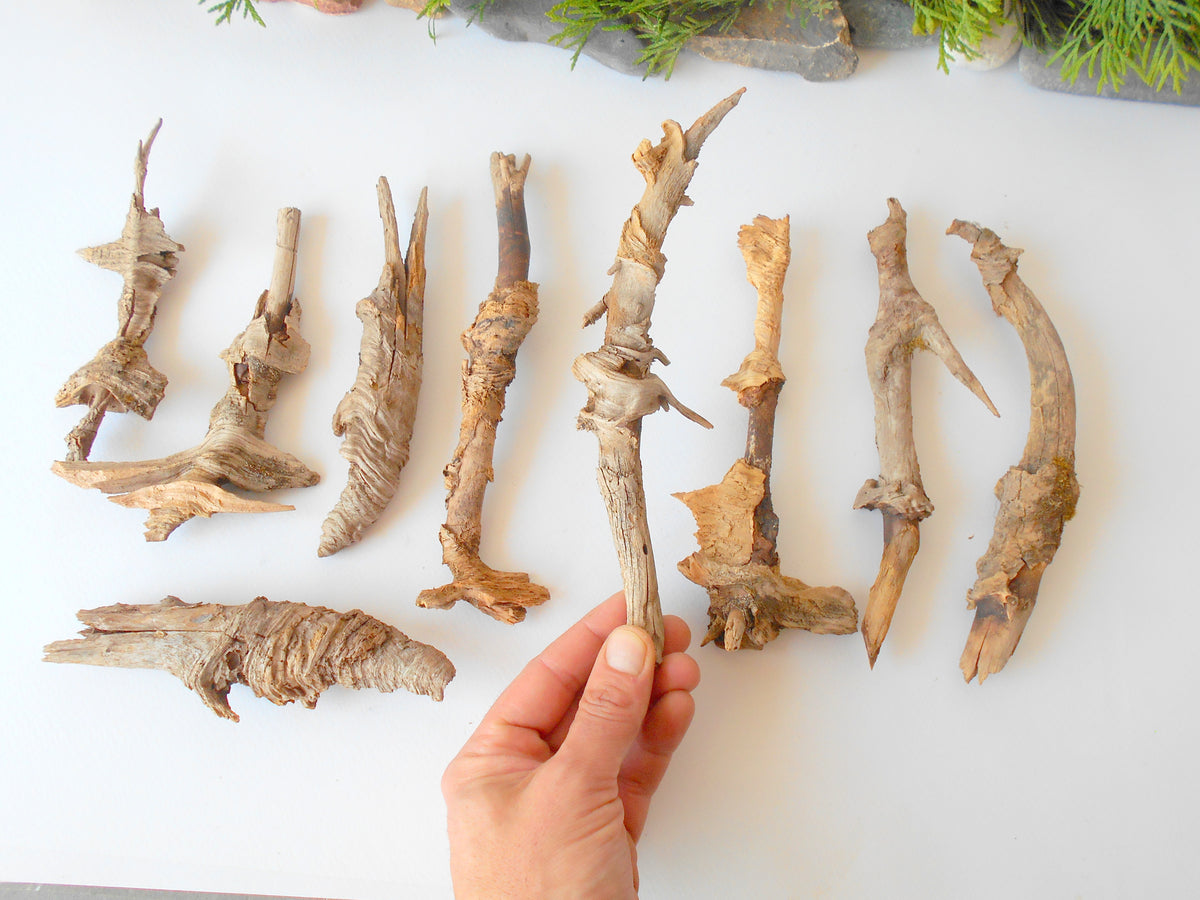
point(1072, 773)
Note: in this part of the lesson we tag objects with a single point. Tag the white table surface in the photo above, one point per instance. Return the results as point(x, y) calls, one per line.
point(1070, 774)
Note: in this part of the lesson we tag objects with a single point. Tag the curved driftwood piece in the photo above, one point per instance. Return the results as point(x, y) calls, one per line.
point(621, 389)
point(120, 378)
point(188, 484)
point(1039, 493)
point(904, 324)
point(737, 528)
point(503, 321)
point(376, 415)
point(282, 651)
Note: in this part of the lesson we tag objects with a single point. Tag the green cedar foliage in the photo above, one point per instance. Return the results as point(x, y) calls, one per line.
point(226, 8)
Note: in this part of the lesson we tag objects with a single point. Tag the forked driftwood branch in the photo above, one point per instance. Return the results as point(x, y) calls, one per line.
point(904, 324)
point(120, 378)
point(282, 651)
point(1039, 493)
point(621, 389)
point(738, 563)
point(188, 484)
point(376, 415)
point(503, 321)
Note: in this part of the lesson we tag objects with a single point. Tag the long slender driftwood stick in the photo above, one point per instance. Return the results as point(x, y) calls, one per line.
point(904, 324)
point(282, 651)
point(1039, 493)
point(188, 484)
point(120, 378)
point(491, 343)
point(621, 390)
point(376, 416)
point(738, 564)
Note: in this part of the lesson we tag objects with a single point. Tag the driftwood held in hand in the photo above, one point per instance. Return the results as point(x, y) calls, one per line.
point(188, 484)
point(120, 378)
point(1039, 493)
point(282, 651)
point(904, 324)
point(376, 415)
point(738, 564)
point(621, 389)
point(503, 321)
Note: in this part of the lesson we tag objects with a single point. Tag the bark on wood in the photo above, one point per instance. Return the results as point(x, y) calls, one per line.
point(282, 651)
point(376, 416)
point(904, 324)
point(621, 390)
point(1039, 493)
point(503, 321)
point(738, 564)
point(188, 484)
point(120, 378)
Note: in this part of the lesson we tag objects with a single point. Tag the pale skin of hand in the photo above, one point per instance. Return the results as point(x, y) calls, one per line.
point(550, 794)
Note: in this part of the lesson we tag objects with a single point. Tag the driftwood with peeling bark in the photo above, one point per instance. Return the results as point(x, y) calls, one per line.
point(282, 651)
point(904, 324)
point(376, 415)
point(503, 321)
point(1038, 494)
point(120, 378)
point(179, 487)
point(737, 528)
point(621, 389)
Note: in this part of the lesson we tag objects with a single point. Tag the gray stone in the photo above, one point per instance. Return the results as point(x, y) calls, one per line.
point(818, 49)
point(883, 25)
point(1034, 69)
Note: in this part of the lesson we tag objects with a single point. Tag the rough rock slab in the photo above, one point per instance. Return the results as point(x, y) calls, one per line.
point(883, 25)
point(1034, 69)
point(333, 7)
point(818, 48)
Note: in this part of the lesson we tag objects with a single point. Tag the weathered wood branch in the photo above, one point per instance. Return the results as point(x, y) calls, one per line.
point(737, 528)
point(904, 324)
point(1038, 494)
point(282, 651)
point(376, 416)
point(503, 321)
point(120, 378)
point(621, 389)
point(179, 487)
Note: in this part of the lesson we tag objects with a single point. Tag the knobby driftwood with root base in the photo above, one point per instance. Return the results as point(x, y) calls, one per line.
point(120, 378)
point(904, 324)
point(621, 389)
point(1039, 493)
point(737, 528)
point(376, 415)
point(282, 651)
point(179, 487)
point(503, 321)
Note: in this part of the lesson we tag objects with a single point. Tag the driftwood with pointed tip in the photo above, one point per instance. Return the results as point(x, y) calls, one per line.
point(1038, 495)
point(621, 389)
point(904, 324)
point(282, 651)
point(376, 415)
point(492, 342)
point(184, 485)
point(120, 378)
point(750, 601)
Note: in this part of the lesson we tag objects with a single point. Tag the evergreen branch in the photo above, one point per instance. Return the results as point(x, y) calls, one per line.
point(434, 8)
point(226, 8)
point(961, 25)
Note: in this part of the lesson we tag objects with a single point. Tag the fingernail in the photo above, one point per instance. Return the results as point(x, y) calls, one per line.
point(625, 650)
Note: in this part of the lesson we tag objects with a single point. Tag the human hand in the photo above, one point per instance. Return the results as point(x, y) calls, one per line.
point(550, 794)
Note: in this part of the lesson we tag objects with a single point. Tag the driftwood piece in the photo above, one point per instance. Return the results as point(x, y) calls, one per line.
point(188, 484)
point(905, 323)
point(1039, 493)
point(120, 378)
point(282, 651)
point(376, 415)
point(503, 321)
point(737, 528)
point(621, 389)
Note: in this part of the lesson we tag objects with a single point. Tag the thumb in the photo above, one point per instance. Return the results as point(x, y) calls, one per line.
point(613, 705)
